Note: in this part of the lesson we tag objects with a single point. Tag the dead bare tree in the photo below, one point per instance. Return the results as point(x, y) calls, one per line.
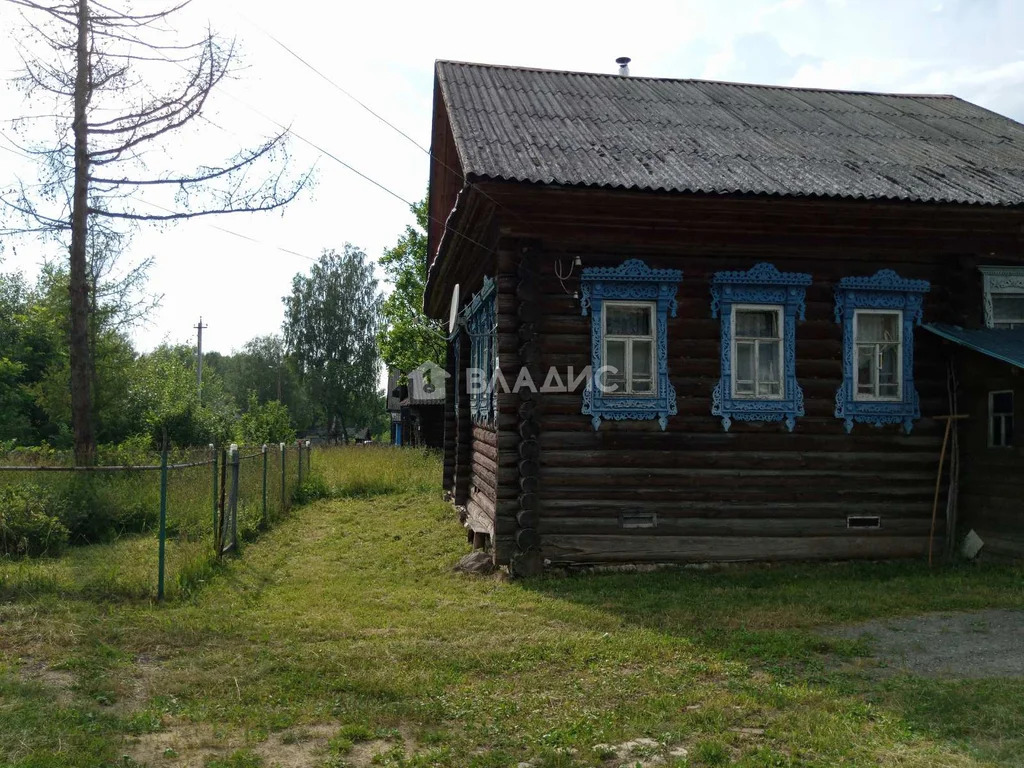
point(103, 68)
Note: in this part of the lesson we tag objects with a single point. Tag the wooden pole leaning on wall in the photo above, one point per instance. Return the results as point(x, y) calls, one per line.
point(949, 419)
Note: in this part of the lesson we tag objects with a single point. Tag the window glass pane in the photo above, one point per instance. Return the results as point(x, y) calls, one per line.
point(642, 358)
point(1002, 402)
point(888, 370)
point(1007, 306)
point(627, 320)
point(642, 386)
point(616, 357)
point(866, 369)
point(769, 381)
point(1007, 430)
point(757, 324)
point(744, 377)
point(878, 327)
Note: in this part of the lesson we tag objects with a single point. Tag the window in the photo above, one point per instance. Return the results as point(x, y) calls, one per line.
point(483, 351)
point(879, 354)
point(877, 315)
point(757, 351)
point(759, 310)
point(1000, 419)
point(1004, 296)
point(629, 306)
point(1007, 310)
point(629, 348)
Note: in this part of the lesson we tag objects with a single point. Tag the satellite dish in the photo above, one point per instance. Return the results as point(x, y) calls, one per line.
point(453, 312)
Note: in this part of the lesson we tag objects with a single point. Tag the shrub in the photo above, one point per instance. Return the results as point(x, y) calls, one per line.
point(266, 423)
point(27, 523)
point(312, 488)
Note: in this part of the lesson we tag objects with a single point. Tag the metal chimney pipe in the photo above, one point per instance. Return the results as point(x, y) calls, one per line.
point(623, 62)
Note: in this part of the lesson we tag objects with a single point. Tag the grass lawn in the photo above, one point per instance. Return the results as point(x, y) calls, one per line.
point(342, 637)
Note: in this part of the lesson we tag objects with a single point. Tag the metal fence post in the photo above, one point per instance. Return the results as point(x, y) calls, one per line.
point(266, 520)
point(309, 458)
point(298, 444)
point(213, 450)
point(284, 502)
point(163, 525)
point(235, 465)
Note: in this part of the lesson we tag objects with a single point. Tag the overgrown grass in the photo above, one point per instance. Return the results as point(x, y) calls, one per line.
point(111, 519)
point(347, 622)
point(376, 470)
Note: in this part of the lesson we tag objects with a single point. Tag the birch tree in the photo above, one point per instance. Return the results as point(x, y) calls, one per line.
point(331, 322)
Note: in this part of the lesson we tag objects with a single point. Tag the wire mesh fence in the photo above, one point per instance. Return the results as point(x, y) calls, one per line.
point(151, 527)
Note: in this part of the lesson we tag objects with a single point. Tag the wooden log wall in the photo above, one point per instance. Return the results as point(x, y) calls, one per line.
point(756, 492)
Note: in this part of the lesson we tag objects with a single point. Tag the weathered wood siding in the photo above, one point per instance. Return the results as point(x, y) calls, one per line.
point(754, 492)
point(757, 491)
point(544, 484)
point(991, 499)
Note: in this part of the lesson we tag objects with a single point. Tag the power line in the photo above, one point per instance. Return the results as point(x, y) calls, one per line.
point(335, 85)
point(332, 156)
point(365, 106)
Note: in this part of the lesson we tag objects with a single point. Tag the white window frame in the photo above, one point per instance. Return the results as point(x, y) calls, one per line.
point(992, 416)
point(1016, 322)
point(857, 395)
point(626, 389)
point(780, 314)
point(1001, 281)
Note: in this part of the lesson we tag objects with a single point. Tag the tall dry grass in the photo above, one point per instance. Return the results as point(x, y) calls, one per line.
point(375, 470)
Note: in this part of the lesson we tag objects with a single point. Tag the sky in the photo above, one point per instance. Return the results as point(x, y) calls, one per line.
point(233, 270)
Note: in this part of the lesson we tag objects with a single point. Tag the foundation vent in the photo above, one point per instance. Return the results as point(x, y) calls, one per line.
point(863, 521)
point(638, 520)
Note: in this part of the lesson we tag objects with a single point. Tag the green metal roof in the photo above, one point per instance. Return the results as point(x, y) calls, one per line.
point(1001, 343)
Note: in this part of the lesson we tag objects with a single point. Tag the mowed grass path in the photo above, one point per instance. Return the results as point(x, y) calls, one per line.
point(345, 627)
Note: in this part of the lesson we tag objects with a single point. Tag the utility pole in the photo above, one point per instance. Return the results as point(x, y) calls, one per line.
point(199, 357)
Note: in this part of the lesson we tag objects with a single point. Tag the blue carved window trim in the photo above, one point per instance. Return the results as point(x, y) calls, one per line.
point(634, 281)
point(885, 290)
point(761, 286)
point(483, 349)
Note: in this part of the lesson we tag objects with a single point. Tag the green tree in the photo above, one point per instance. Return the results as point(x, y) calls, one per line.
point(164, 397)
point(16, 403)
point(264, 367)
point(331, 322)
point(267, 422)
point(408, 337)
point(44, 353)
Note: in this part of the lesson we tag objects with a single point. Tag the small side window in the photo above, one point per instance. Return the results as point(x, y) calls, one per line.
point(1004, 296)
point(483, 351)
point(1000, 419)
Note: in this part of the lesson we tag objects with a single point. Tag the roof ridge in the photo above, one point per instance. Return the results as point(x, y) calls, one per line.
point(768, 86)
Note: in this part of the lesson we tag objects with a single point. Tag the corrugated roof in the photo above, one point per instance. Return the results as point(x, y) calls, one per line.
point(644, 133)
point(1001, 343)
